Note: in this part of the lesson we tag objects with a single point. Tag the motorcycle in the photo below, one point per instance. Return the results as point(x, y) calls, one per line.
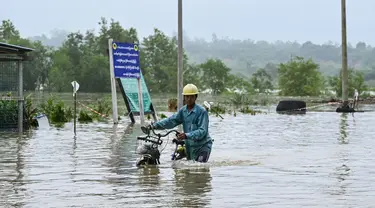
point(149, 151)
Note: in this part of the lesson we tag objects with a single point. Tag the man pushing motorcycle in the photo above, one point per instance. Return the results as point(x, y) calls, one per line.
point(194, 119)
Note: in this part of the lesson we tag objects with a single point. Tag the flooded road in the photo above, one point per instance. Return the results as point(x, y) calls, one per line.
point(267, 160)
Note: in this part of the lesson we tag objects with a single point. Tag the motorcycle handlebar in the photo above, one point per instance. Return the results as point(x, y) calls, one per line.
point(157, 141)
point(166, 134)
point(176, 141)
point(148, 130)
point(146, 139)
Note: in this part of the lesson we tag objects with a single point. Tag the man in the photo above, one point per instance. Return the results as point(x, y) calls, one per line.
point(194, 118)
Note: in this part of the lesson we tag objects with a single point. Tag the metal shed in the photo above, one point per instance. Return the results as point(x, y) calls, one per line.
point(12, 58)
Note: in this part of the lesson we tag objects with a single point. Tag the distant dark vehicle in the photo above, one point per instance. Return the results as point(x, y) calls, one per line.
point(291, 106)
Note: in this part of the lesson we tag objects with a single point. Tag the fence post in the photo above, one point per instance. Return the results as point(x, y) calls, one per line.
point(20, 96)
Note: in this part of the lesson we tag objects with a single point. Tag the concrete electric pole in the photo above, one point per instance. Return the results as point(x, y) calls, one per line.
point(344, 56)
point(180, 57)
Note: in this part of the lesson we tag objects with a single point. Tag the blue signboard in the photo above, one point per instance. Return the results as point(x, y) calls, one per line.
point(126, 60)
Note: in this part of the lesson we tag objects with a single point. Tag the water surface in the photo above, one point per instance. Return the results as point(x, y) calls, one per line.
point(321, 159)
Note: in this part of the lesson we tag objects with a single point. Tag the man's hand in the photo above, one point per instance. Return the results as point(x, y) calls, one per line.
point(181, 136)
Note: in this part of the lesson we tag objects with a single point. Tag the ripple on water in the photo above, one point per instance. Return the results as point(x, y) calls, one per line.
point(269, 160)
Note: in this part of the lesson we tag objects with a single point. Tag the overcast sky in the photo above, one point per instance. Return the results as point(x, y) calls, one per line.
point(288, 20)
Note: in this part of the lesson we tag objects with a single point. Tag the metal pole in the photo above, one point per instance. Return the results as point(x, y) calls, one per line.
point(75, 109)
point(113, 83)
point(20, 96)
point(180, 57)
point(140, 100)
point(344, 56)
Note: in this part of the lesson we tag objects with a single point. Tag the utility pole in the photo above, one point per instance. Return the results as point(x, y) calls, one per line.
point(180, 58)
point(344, 71)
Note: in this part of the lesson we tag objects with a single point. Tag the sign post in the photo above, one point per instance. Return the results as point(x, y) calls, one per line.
point(124, 63)
point(140, 100)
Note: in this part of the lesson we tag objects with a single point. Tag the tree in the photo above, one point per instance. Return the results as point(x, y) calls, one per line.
point(272, 70)
point(355, 81)
point(215, 75)
point(35, 71)
point(84, 57)
point(193, 74)
point(261, 80)
point(8, 31)
point(160, 62)
point(239, 82)
point(298, 77)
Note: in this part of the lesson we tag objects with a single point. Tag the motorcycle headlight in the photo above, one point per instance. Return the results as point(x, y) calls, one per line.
point(143, 149)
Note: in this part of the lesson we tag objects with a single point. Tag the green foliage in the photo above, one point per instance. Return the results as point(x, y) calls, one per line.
point(193, 74)
point(56, 111)
point(247, 110)
point(239, 83)
point(30, 112)
point(160, 57)
point(215, 75)
point(218, 109)
point(36, 71)
point(246, 56)
point(298, 77)
point(103, 106)
point(221, 65)
point(83, 57)
point(261, 80)
point(84, 116)
point(355, 81)
point(238, 100)
point(9, 113)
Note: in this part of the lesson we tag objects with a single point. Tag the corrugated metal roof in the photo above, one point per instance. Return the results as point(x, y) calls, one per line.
point(14, 48)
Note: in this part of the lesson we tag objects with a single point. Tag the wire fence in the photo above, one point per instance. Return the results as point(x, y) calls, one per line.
point(9, 95)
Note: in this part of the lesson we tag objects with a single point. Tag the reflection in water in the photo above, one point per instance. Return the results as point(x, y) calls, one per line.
point(97, 169)
point(343, 129)
point(192, 186)
point(12, 166)
point(149, 179)
point(74, 158)
point(121, 149)
point(342, 172)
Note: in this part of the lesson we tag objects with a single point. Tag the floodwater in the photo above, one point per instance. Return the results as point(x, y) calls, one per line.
point(321, 159)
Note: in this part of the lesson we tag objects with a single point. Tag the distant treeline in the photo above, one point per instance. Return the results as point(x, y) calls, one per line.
point(246, 56)
point(216, 65)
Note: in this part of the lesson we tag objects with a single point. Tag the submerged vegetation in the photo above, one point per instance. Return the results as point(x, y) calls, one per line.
point(57, 112)
point(9, 113)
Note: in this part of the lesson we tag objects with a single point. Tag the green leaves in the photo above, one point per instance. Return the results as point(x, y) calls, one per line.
point(355, 81)
point(160, 58)
point(83, 57)
point(299, 77)
point(215, 75)
point(261, 80)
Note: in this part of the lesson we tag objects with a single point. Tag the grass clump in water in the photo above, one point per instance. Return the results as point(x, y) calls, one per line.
point(56, 111)
point(84, 116)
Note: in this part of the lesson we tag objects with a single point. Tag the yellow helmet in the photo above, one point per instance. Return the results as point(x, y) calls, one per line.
point(190, 89)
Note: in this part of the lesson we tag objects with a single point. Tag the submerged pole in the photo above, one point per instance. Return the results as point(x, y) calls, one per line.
point(344, 72)
point(20, 97)
point(180, 58)
point(75, 110)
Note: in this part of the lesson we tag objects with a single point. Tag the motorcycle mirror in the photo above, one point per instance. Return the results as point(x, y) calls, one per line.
point(145, 130)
